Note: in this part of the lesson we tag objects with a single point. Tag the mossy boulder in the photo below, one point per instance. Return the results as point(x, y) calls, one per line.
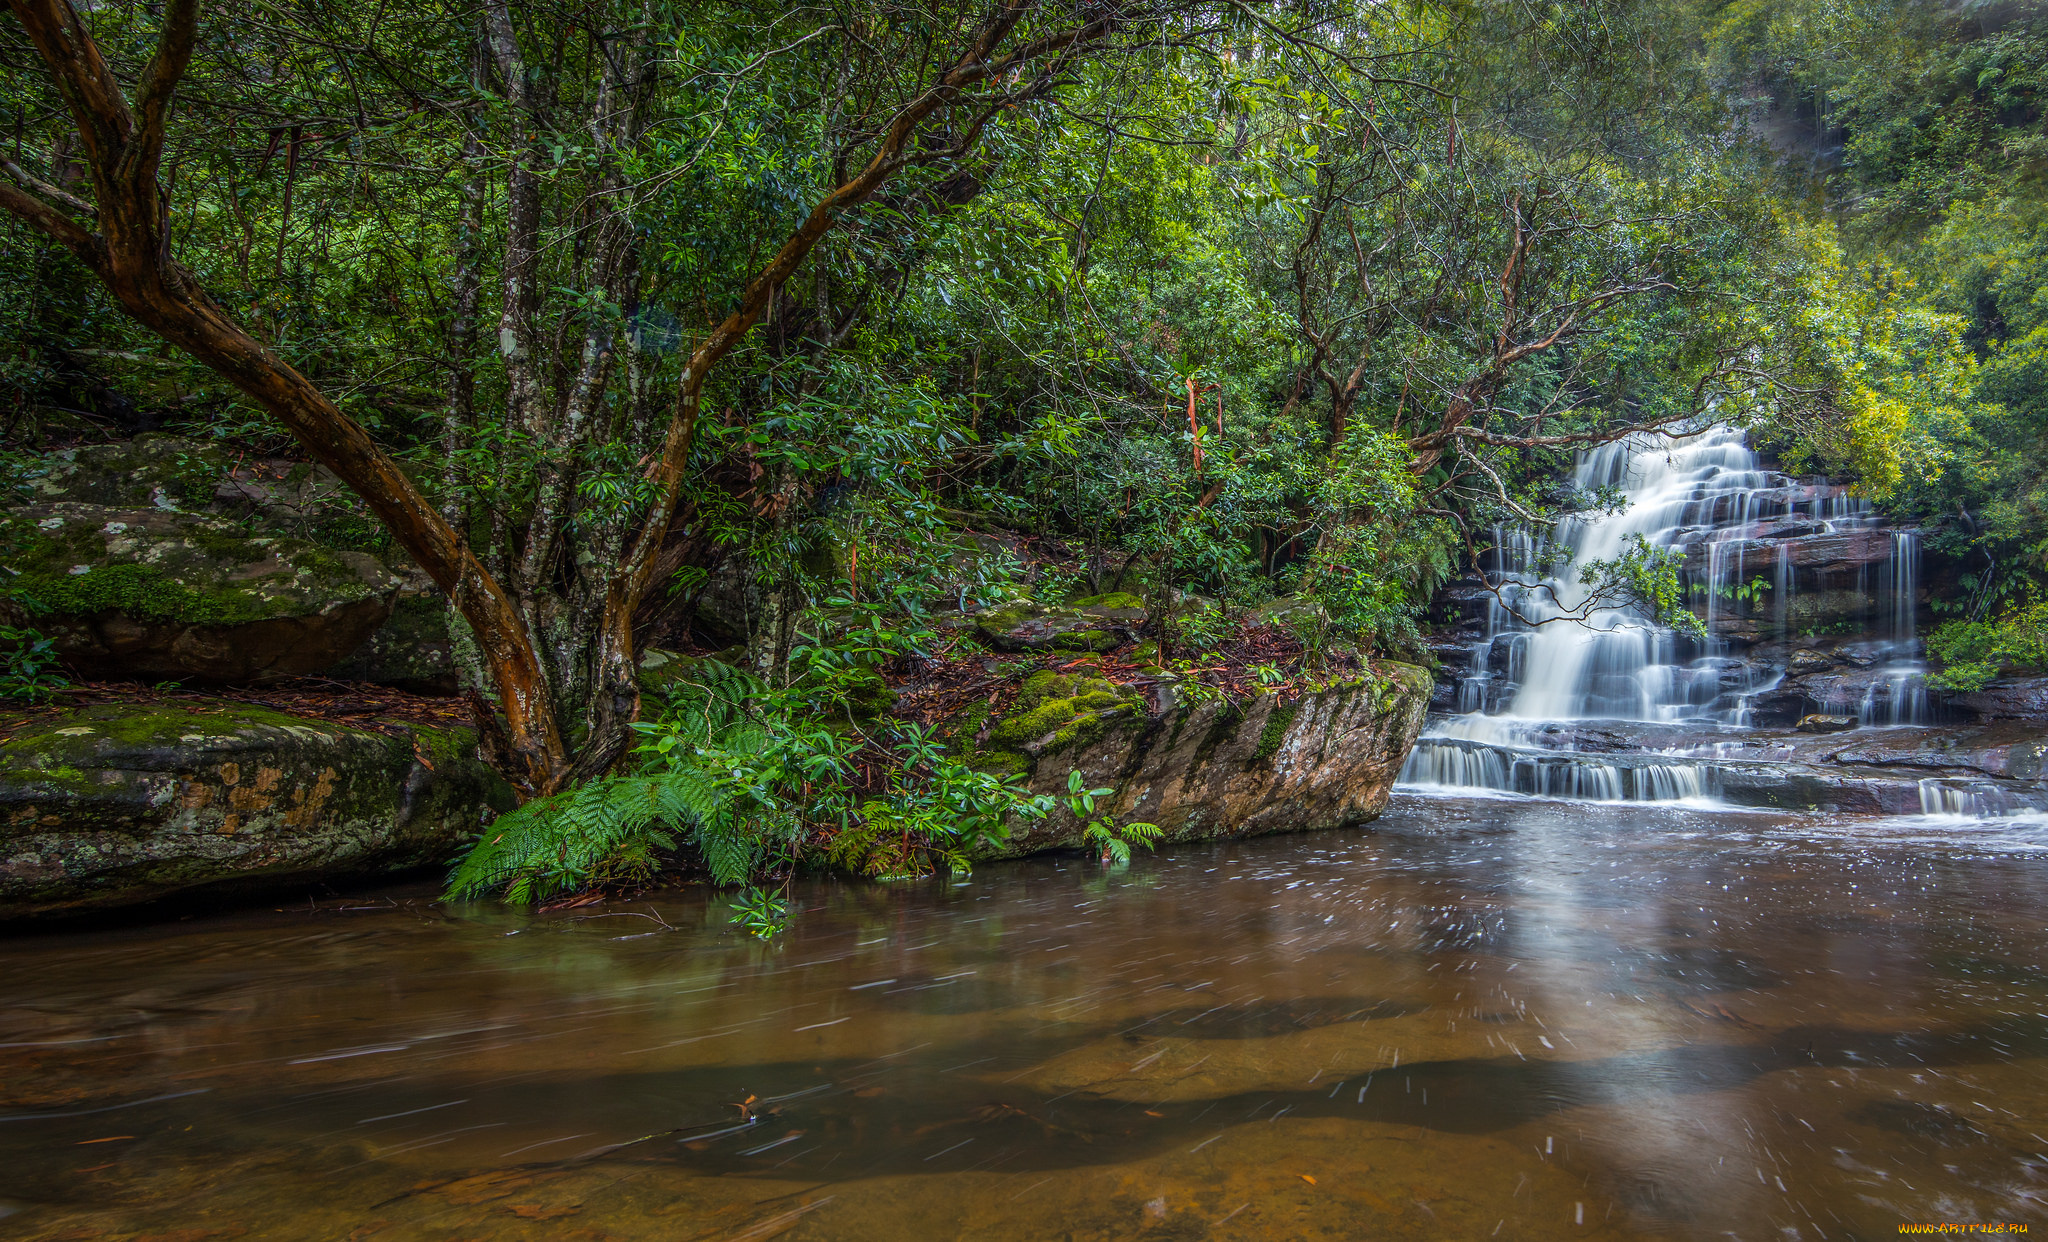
point(153, 471)
point(159, 594)
point(1097, 624)
point(114, 805)
point(413, 650)
point(301, 499)
point(1209, 769)
point(1122, 603)
point(1303, 618)
point(1056, 711)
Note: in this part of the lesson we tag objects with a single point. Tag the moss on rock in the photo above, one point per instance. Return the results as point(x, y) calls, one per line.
point(1118, 600)
point(157, 594)
point(1022, 625)
point(141, 591)
point(154, 469)
point(1209, 768)
point(1276, 728)
point(1052, 712)
point(1062, 706)
point(114, 804)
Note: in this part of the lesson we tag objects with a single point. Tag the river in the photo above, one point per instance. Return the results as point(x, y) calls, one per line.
point(1484, 1018)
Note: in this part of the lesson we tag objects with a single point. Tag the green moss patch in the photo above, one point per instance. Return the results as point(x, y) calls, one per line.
point(1114, 599)
point(142, 591)
point(1276, 729)
point(1084, 640)
point(1070, 709)
point(82, 560)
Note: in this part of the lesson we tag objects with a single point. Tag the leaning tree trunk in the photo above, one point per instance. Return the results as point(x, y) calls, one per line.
point(121, 237)
point(121, 149)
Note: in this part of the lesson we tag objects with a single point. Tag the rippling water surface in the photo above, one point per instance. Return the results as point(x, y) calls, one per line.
point(1484, 1019)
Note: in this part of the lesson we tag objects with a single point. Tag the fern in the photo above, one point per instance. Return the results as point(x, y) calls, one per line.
point(606, 831)
point(708, 783)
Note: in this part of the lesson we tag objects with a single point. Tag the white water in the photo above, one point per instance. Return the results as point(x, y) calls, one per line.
point(1546, 661)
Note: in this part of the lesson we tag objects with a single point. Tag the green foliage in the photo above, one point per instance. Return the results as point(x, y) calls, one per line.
point(716, 774)
point(1972, 653)
point(1200, 626)
point(1103, 832)
point(1647, 578)
point(935, 813)
point(1751, 592)
point(760, 913)
point(605, 832)
point(29, 671)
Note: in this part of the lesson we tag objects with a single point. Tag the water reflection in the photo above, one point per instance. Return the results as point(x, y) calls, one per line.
point(1488, 1019)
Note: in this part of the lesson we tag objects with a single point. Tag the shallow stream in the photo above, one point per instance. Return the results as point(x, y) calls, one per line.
point(1486, 1018)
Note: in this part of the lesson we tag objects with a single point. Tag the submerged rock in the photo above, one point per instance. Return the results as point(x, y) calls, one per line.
point(113, 805)
point(1207, 769)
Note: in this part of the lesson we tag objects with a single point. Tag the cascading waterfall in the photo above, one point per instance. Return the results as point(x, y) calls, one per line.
point(1538, 669)
point(1904, 684)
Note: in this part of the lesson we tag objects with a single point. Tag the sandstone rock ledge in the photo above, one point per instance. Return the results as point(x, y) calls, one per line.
point(115, 805)
point(1211, 769)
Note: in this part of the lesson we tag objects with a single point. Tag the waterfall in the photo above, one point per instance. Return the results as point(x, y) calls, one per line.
point(1538, 670)
point(1966, 799)
point(1904, 680)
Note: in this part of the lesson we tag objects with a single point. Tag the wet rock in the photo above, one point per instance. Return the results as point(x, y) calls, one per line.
point(1211, 768)
point(1821, 722)
point(159, 594)
point(114, 805)
point(1464, 601)
point(1844, 550)
point(2013, 698)
point(1800, 663)
point(1789, 787)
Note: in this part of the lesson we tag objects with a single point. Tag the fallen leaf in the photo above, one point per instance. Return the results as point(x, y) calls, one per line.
point(112, 1138)
point(1306, 1178)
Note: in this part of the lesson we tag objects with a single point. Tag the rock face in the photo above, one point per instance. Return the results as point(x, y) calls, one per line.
point(2009, 698)
point(412, 650)
point(150, 471)
point(1211, 769)
point(159, 594)
point(109, 806)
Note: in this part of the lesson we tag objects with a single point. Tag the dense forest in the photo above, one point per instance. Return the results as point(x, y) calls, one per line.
point(858, 317)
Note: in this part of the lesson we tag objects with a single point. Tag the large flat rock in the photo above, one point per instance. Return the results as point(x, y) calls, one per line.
point(1214, 769)
point(160, 594)
point(115, 805)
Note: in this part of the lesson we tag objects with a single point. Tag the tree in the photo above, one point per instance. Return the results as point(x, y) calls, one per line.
point(553, 614)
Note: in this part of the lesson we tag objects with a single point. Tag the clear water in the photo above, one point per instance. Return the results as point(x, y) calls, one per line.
point(1491, 1018)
